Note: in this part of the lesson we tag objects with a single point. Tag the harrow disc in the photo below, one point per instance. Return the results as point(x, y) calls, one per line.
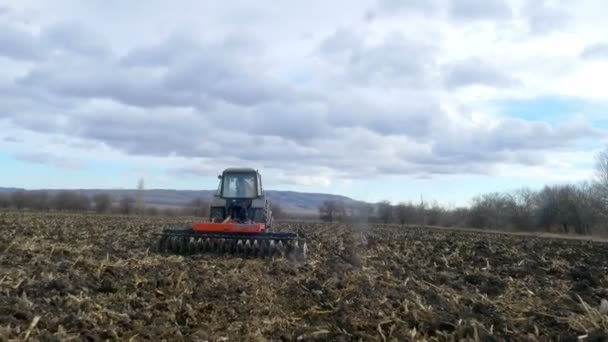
point(186, 242)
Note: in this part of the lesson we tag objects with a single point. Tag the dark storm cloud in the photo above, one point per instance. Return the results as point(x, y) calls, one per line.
point(474, 71)
point(598, 50)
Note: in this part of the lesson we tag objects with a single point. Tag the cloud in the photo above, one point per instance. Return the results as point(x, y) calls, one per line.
point(391, 7)
point(544, 18)
point(194, 79)
point(596, 51)
point(12, 140)
point(75, 38)
point(466, 10)
point(510, 136)
point(395, 60)
point(370, 98)
point(306, 180)
point(48, 159)
point(19, 44)
point(474, 71)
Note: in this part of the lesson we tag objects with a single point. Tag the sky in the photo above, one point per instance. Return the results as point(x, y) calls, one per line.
point(373, 99)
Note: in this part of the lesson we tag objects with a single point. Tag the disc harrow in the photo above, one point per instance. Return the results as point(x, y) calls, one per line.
point(270, 244)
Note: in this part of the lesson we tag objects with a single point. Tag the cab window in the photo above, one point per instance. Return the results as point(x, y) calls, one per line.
point(239, 186)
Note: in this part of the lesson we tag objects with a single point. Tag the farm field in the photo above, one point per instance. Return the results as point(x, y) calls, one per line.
point(95, 277)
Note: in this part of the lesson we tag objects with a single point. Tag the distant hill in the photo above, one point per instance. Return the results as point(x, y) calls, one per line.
point(290, 201)
point(4, 190)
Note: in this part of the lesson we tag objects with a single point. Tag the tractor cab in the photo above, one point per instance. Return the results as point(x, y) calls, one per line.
point(240, 184)
point(240, 198)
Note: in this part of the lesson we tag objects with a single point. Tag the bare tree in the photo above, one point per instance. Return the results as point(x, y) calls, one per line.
point(434, 214)
point(127, 205)
point(591, 208)
point(401, 213)
point(139, 197)
point(385, 212)
point(38, 200)
point(331, 211)
point(524, 209)
point(71, 201)
point(601, 166)
point(18, 200)
point(152, 211)
point(5, 200)
point(199, 207)
point(492, 211)
point(277, 211)
point(102, 203)
point(405, 213)
point(170, 212)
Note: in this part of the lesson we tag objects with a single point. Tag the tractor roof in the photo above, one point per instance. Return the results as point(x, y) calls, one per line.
point(240, 170)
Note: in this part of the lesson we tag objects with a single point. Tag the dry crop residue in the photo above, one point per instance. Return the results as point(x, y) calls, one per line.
point(92, 277)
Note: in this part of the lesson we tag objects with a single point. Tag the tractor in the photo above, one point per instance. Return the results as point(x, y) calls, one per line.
point(240, 223)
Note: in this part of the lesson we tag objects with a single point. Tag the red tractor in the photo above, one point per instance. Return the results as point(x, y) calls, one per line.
point(240, 222)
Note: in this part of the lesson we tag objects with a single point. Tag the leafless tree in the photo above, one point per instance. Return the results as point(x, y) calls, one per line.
point(18, 200)
point(199, 207)
point(524, 209)
point(601, 166)
point(385, 212)
point(139, 197)
point(5, 200)
point(401, 213)
point(152, 211)
point(492, 211)
point(127, 205)
point(434, 214)
point(170, 212)
point(102, 203)
point(39, 200)
point(331, 211)
point(71, 201)
point(277, 211)
point(591, 209)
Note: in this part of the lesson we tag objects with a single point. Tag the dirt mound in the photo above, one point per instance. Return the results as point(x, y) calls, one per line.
point(91, 277)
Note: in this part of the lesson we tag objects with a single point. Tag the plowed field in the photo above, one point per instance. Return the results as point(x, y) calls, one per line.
point(91, 277)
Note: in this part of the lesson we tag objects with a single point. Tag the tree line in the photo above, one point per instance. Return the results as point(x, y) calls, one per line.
point(103, 203)
point(580, 208)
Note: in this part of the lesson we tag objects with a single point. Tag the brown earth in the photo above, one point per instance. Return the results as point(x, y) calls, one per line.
point(90, 277)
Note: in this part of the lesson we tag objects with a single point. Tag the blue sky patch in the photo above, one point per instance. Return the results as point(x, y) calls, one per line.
point(548, 109)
